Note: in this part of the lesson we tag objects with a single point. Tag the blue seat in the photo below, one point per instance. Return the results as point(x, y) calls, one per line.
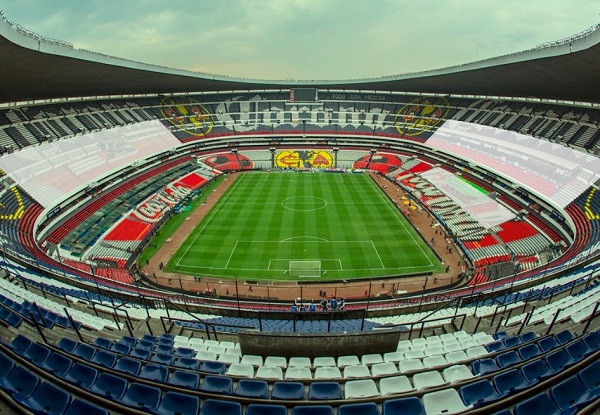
point(512, 341)
point(19, 380)
point(57, 364)
point(507, 359)
point(167, 336)
point(590, 377)
point(252, 388)
point(496, 346)
point(592, 341)
point(536, 371)
point(478, 393)
point(500, 335)
point(128, 365)
point(20, 344)
point(365, 408)
point(540, 404)
point(558, 360)
point(47, 399)
point(527, 336)
point(156, 373)
point(143, 354)
point(571, 393)
point(529, 351)
point(163, 359)
point(184, 379)
point(187, 363)
point(84, 351)
point(163, 349)
point(217, 368)
point(410, 405)
point(79, 407)
point(129, 341)
point(319, 391)
point(175, 403)
point(184, 352)
point(578, 350)
point(265, 409)
point(103, 343)
point(13, 320)
point(548, 343)
point(148, 338)
point(222, 385)
point(37, 354)
point(67, 345)
point(145, 345)
point(120, 348)
point(484, 366)
point(81, 375)
point(288, 391)
point(141, 396)
point(564, 336)
point(510, 382)
point(109, 386)
point(312, 410)
point(6, 365)
point(164, 342)
point(218, 407)
point(104, 358)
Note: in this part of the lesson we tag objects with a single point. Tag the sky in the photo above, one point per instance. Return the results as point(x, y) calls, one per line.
point(305, 39)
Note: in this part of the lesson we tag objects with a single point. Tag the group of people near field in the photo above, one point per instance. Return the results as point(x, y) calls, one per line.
point(333, 305)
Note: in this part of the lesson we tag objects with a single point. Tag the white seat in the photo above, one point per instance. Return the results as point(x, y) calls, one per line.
point(447, 337)
point(434, 350)
point(202, 355)
point(298, 373)
point(216, 349)
point(457, 373)
point(180, 338)
point(404, 344)
point(485, 339)
point(433, 340)
point(371, 359)
point(452, 347)
point(429, 379)
point(209, 343)
point(393, 357)
point(251, 359)
point(269, 372)
point(419, 341)
point(278, 361)
point(394, 384)
point(410, 365)
point(227, 345)
point(324, 361)
point(356, 371)
point(198, 347)
point(386, 368)
point(344, 361)
point(196, 340)
point(240, 369)
point(434, 361)
point(458, 356)
point(414, 354)
point(229, 358)
point(233, 350)
point(467, 343)
point(445, 402)
point(476, 351)
point(299, 362)
point(328, 372)
point(364, 388)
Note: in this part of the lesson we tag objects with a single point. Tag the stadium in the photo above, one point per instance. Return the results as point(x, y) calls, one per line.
point(184, 243)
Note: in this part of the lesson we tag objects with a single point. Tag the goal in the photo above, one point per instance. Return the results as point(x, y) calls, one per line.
point(305, 269)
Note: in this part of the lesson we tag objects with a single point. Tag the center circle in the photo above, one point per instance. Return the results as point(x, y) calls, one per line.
point(304, 203)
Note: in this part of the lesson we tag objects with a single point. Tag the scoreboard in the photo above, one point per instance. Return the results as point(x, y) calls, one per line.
point(304, 95)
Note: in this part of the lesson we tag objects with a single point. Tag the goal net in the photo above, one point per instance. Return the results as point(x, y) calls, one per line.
point(305, 269)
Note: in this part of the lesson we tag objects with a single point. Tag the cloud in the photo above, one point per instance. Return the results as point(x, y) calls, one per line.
point(304, 39)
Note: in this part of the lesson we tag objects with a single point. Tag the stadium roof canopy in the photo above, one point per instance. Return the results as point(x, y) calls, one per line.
point(35, 68)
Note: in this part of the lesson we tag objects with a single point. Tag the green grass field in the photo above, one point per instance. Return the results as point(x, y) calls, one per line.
point(265, 220)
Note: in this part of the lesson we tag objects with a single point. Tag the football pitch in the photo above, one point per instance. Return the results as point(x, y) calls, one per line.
point(332, 226)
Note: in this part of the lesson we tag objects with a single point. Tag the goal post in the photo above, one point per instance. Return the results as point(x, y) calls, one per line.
point(305, 269)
